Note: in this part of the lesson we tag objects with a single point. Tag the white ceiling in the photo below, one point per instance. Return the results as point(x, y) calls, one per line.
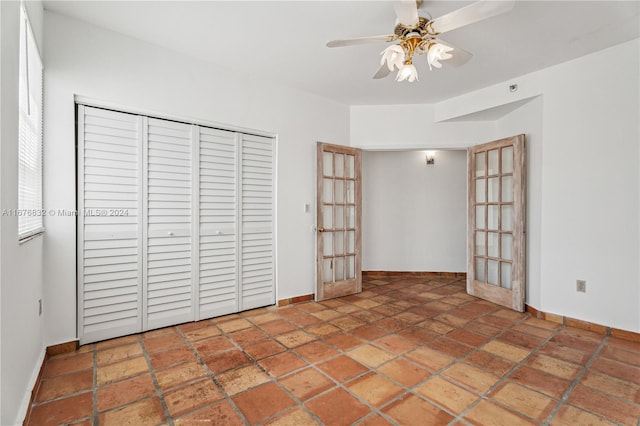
point(285, 40)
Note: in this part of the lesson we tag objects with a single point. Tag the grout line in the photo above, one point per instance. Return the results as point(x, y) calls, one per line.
point(575, 383)
point(159, 391)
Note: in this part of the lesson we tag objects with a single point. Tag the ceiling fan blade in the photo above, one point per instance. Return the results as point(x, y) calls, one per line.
point(470, 14)
point(382, 72)
point(407, 12)
point(459, 56)
point(362, 40)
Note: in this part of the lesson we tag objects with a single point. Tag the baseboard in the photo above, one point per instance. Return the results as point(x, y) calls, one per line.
point(420, 274)
point(584, 325)
point(296, 299)
point(53, 350)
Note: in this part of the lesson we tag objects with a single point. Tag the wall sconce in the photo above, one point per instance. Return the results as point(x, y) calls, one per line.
point(431, 157)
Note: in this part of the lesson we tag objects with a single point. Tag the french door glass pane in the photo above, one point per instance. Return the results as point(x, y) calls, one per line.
point(351, 241)
point(351, 267)
point(339, 194)
point(351, 190)
point(327, 161)
point(327, 238)
point(493, 190)
point(339, 165)
point(480, 276)
point(507, 189)
point(480, 243)
point(507, 218)
point(327, 217)
point(492, 244)
point(480, 156)
point(327, 270)
point(492, 218)
point(492, 272)
point(493, 162)
point(351, 217)
point(480, 184)
point(505, 275)
point(480, 217)
point(339, 268)
point(507, 247)
point(339, 217)
point(507, 159)
point(351, 166)
point(339, 242)
point(327, 196)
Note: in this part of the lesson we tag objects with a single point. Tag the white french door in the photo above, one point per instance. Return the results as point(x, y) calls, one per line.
point(176, 223)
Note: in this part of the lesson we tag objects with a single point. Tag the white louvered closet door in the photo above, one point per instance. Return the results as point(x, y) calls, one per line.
point(109, 224)
point(169, 272)
point(218, 292)
point(257, 222)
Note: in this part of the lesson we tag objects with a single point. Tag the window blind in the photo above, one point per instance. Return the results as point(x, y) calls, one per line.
point(30, 213)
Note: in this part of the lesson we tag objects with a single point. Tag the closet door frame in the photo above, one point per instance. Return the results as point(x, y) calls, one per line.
point(143, 115)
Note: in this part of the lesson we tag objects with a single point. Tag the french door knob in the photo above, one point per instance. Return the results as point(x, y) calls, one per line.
point(320, 229)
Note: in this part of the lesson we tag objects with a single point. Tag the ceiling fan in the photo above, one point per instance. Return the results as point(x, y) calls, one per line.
point(417, 35)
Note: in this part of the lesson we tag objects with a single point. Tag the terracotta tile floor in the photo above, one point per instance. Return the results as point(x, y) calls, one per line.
point(406, 351)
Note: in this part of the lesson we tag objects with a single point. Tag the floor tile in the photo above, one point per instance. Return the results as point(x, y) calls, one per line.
point(471, 376)
point(144, 412)
point(612, 386)
point(604, 405)
point(171, 357)
point(374, 420)
point(241, 379)
point(67, 384)
point(191, 396)
point(322, 329)
point(369, 332)
point(344, 341)
point(370, 355)
point(316, 351)
point(63, 364)
point(276, 327)
point(487, 413)
point(212, 346)
point(296, 417)
point(375, 389)
point(220, 413)
point(395, 344)
point(281, 364)
point(447, 394)
point(306, 383)
point(180, 374)
point(467, 337)
point(566, 353)
point(63, 410)
point(554, 366)
point(490, 362)
point(617, 369)
point(431, 359)
point(262, 402)
point(415, 411)
point(404, 372)
point(342, 368)
point(507, 351)
point(234, 325)
point(163, 342)
point(347, 323)
point(227, 360)
point(524, 400)
point(337, 407)
point(620, 354)
point(247, 336)
point(118, 353)
point(568, 415)
point(263, 349)
point(125, 392)
point(527, 341)
point(450, 347)
point(546, 383)
point(121, 370)
point(295, 338)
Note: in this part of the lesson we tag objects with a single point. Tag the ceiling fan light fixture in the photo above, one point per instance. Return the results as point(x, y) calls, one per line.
point(393, 57)
point(408, 72)
point(437, 52)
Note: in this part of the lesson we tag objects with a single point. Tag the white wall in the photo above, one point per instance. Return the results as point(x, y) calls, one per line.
point(583, 178)
point(413, 214)
point(22, 348)
point(590, 188)
point(88, 61)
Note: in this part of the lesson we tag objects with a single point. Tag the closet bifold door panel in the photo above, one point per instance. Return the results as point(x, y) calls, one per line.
point(218, 291)
point(109, 224)
point(257, 222)
point(168, 277)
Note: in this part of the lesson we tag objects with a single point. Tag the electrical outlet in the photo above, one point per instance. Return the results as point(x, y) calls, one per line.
point(39, 307)
point(581, 286)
